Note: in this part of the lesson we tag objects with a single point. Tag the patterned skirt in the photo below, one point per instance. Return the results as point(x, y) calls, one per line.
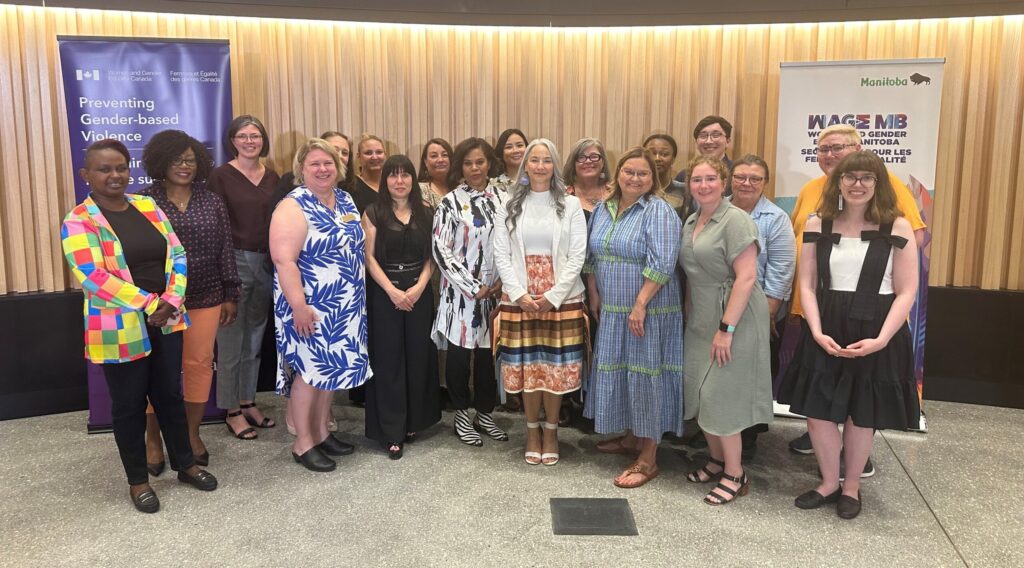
point(541, 351)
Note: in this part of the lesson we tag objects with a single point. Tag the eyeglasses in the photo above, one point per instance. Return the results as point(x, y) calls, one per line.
point(867, 182)
point(637, 174)
point(187, 162)
point(704, 136)
point(248, 137)
point(833, 149)
point(705, 179)
point(753, 180)
point(584, 158)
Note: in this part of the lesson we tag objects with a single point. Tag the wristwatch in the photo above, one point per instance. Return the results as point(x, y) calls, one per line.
point(722, 326)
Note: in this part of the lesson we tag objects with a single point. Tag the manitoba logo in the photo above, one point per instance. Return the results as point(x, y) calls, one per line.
point(87, 75)
point(919, 79)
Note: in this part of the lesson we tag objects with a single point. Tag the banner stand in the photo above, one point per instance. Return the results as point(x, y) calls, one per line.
point(129, 89)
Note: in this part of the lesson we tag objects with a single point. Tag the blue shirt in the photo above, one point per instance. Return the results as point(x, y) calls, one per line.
point(776, 261)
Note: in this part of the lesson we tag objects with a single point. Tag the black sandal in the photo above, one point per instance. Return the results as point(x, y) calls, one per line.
point(266, 423)
point(244, 434)
point(713, 498)
point(395, 451)
point(694, 476)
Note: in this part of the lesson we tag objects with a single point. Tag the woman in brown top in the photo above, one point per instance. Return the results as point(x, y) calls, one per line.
point(249, 189)
point(179, 166)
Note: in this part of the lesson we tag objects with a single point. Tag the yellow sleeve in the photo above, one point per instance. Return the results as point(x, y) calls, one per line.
point(906, 203)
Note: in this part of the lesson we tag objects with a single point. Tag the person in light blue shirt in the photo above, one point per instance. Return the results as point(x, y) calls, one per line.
point(776, 259)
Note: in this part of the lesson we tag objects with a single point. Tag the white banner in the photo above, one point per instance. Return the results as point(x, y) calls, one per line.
point(894, 105)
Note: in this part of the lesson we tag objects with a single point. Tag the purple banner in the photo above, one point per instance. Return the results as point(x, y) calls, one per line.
point(130, 89)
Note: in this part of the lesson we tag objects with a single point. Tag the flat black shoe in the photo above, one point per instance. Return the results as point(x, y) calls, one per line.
point(848, 507)
point(202, 459)
point(395, 451)
point(698, 441)
point(203, 481)
point(812, 499)
point(335, 447)
point(155, 469)
point(315, 460)
point(146, 501)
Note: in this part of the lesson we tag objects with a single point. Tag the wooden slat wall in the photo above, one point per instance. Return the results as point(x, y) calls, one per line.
point(410, 83)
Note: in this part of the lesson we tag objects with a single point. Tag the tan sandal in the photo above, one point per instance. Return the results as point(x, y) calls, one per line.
point(615, 446)
point(645, 471)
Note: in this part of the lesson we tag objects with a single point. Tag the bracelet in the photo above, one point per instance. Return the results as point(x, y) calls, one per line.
point(722, 326)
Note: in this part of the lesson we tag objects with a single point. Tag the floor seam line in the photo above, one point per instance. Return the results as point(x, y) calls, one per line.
point(935, 515)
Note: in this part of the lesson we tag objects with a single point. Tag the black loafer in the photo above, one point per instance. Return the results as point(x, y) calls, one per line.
point(203, 481)
point(848, 507)
point(395, 454)
point(315, 460)
point(335, 447)
point(812, 499)
point(155, 469)
point(146, 501)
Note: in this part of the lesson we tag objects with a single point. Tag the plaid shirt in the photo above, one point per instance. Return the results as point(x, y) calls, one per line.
point(115, 308)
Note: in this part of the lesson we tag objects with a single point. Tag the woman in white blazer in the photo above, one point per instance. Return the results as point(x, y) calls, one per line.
point(540, 245)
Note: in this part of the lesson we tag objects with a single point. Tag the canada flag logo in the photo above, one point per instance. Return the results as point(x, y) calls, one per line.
point(87, 75)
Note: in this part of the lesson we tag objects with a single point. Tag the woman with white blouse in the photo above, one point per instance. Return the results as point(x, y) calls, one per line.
point(540, 245)
point(463, 227)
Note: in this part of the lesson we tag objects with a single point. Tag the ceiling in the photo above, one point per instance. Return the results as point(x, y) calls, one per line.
point(567, 13)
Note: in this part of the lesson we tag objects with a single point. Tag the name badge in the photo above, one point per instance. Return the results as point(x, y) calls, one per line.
point(349, 217)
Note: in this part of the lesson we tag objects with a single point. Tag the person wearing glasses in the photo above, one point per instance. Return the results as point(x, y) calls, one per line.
point(835, 143)
point(179, 166)
point(586, 173)
point(727, 374)
point(636, 383)
point(854, 364)
point(712, 136)
point(776, 259)
point(250, 191)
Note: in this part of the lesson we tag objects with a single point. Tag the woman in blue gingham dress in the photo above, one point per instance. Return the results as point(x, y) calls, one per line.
point(636, 382)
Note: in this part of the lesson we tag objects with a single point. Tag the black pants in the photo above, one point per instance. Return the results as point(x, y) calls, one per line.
point(158, 379)
point(403, 394)
point(749, 435)
point(485, 389)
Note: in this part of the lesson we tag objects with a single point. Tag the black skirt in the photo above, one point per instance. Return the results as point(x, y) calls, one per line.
point(876, 391)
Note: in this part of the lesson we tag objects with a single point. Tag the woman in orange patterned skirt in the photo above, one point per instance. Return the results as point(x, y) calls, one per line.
point(540, 242)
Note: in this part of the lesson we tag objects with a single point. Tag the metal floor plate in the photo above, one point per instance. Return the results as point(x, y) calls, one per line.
point(582, 516)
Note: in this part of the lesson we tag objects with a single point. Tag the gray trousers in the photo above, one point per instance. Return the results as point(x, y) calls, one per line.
point(239, 344)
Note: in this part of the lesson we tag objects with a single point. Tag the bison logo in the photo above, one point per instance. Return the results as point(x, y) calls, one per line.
point(918, 79)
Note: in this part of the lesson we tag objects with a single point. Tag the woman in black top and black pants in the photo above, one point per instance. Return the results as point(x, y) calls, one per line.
point(403, 396)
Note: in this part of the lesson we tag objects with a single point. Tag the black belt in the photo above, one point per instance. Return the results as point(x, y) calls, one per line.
point(403, 274)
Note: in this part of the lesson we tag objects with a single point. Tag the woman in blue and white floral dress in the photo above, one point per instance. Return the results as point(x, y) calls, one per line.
point(316, 242)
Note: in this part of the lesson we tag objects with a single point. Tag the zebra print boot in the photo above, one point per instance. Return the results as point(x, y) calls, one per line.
point(485, 425)
point(464, 429)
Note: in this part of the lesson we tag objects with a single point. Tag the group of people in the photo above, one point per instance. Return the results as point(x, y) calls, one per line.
point(661, 298)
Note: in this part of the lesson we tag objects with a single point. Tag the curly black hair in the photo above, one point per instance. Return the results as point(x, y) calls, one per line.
point(165, 146)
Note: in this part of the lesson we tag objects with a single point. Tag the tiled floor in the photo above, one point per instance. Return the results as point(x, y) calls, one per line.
point(952, 497)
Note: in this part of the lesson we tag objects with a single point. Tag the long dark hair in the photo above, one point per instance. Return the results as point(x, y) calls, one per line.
point(424, 175)
point(384, 209)
point(498, 167)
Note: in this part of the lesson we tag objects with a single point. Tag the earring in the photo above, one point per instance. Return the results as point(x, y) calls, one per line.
point(523, 180)
point(602, 176)
point(840, 201)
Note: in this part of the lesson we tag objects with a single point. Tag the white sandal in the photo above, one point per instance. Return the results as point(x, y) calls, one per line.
point(533, 458)
point(549, 456)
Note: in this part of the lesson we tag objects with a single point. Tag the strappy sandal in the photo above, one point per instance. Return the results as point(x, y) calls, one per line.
point(647, 473)
point(713, 498)
point(244, 434)
point(615, 446)
point(695, 476)
point(553, 456)
point(533, 458)
point(265, 423)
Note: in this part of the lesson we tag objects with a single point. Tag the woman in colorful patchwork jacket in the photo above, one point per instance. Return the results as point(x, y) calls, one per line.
point(124, 252)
